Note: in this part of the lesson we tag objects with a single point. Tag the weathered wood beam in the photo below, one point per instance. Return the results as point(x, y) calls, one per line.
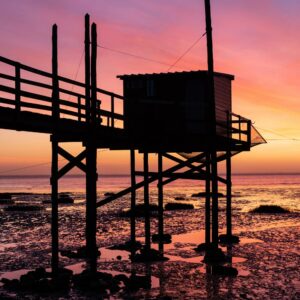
point(72, 158)
point(73, 163)
point(151, 179)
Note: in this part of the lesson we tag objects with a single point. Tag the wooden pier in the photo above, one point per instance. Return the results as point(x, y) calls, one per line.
point(46, 105)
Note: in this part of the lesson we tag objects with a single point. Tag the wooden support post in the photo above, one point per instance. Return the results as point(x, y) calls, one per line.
point(54, 204)
point(228, 194)
point(160, 203)
point(91, 198)
point(133, 198)
point(215, 204)
point(207, 200)
point(146, 203)
point(211, 96)
point(55, 87)
point(54, 166)
point(91, 166)
point(87, 68)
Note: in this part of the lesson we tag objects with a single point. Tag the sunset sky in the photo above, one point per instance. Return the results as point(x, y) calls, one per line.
point(257, 41)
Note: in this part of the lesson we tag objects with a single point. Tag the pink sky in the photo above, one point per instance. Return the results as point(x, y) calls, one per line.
point(257, 41)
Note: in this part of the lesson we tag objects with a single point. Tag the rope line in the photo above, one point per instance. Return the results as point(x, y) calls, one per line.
point(151, 59)
point(186, 52)
point(134, 55)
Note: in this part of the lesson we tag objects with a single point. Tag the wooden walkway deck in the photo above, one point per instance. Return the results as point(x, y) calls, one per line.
point(28, 103)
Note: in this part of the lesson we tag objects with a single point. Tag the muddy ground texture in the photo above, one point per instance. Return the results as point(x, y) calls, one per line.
point(267, 258)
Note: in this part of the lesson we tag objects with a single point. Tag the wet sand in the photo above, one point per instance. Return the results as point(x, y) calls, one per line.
point(267, 257)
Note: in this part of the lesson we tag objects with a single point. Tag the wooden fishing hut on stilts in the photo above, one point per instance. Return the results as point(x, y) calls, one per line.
point(188, 113)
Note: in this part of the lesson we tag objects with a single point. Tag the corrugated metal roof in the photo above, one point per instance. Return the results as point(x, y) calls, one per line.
point(183, 73)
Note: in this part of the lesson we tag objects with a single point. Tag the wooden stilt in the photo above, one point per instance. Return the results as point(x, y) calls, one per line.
point(54, 204)
point(91, 198)
point(146, 203)
point(54, 166)
point(228, 238)
point(133, 197)
point(160, 203)
point(207, 200)
point(91, 165)
point(228, 194)
point(211, 96)
point(215, 208)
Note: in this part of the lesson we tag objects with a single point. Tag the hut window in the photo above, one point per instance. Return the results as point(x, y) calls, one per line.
point(150, 88)
point(135, 83)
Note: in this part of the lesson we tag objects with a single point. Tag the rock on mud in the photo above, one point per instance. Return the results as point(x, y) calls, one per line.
point(270, 209)
point(177, 206)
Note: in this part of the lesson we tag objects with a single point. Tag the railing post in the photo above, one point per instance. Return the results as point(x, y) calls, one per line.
point(55, 87)
point(87, 69)
point(79, 108)
point(94, 75)
point(249, 132)
point(240, 129)
point(228, 124)
point(112, 111)
point(18, 87)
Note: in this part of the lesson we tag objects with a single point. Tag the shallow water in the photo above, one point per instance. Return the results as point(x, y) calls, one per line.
point(268, 252)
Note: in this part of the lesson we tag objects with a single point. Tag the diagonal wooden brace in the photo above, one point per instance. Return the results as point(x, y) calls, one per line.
point(74, 161)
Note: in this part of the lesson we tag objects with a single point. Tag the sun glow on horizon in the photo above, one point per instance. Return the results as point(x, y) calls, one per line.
point(254, 40)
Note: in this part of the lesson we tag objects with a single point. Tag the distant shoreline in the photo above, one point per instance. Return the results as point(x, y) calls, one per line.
point(127, 175)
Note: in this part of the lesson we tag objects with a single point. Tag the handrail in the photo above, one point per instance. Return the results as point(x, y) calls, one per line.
point(71, 108)
point(49, 75)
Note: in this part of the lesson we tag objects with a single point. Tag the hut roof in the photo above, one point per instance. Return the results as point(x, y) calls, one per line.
point(177, 74)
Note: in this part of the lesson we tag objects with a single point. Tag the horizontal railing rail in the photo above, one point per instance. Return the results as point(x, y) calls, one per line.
point(24, 93)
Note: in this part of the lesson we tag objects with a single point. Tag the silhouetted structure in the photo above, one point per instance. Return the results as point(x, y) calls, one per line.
point(172, 111)
point(188, 113)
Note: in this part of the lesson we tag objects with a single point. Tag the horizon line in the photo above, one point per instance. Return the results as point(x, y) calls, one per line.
point(128, 175)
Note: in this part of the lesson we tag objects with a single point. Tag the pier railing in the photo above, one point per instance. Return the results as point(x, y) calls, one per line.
point(24, 88)
point(234, 126)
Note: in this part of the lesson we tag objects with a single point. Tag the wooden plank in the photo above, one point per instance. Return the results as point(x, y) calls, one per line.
point(35, 106)
point(7, 101)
